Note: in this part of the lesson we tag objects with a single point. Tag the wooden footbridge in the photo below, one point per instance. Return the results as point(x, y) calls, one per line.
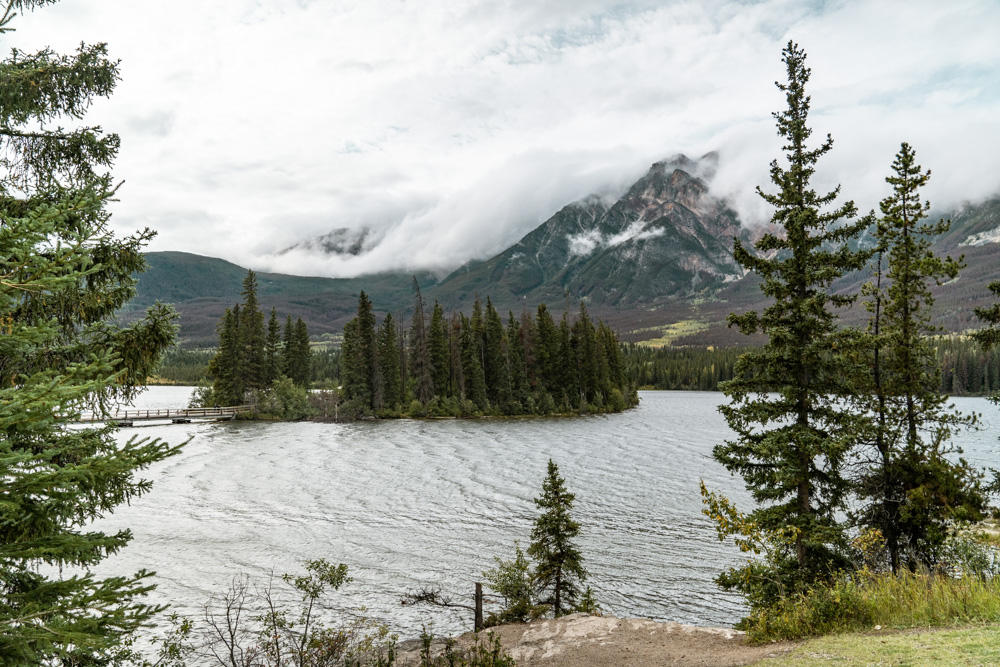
point(179, 416)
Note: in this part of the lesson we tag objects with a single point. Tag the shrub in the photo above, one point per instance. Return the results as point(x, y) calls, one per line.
point(859, 601)
point(513, 581)
point(292, 399)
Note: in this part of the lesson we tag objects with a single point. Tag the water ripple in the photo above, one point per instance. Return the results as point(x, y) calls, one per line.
point(430, 503)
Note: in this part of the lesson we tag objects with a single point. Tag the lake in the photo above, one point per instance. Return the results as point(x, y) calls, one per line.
point(408, 504)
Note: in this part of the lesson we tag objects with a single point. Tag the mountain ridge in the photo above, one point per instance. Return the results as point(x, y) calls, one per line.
point(660, 253)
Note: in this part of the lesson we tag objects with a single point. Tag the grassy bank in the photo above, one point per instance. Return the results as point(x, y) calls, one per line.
point(958, 646)
point(860, 603)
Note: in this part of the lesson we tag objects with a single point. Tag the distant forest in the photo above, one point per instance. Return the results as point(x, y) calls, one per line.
point(966, 370)
point(477, 364)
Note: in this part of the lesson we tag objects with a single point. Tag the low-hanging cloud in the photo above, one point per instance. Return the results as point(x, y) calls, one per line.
point(452, 129)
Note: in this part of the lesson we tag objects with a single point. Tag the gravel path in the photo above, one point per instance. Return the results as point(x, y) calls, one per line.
point(580, 640)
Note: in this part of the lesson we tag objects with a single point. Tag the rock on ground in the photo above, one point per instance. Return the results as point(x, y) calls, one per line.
point(581, 640)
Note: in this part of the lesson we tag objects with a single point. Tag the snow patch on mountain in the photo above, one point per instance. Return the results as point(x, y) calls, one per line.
point(982, 238)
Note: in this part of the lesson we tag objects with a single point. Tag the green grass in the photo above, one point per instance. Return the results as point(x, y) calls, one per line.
point(861, 603)
point(961, 646)
point(670, 332)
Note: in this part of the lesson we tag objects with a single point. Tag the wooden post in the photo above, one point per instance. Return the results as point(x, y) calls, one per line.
point(479, 607)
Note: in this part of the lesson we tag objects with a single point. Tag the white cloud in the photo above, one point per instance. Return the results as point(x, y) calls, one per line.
point(453, 128)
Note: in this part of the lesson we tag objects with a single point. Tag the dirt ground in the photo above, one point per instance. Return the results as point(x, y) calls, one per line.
point(580, 640)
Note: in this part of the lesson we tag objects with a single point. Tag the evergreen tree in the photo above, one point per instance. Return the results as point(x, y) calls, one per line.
point(286, 345)
point(528, 333)
point(496, 366)
point(352, 383)
point(366, 351)
point(224, 366)
point(420, 353)
point(388, 357)
point(252, 340)
point(792, 433)
point(547, 350)
point(612, 353)
point(456, 377)
point(558, 564)
point(567, 378)
point(439, 351)
point(64, 278)
point(915, 489)
point(300, 355)
point(272, 350)
point(989, 337)
point(515, 353)
point(585, 354)
point(472, 369)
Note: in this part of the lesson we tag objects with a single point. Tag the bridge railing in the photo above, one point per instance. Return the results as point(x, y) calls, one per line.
point(167, 413)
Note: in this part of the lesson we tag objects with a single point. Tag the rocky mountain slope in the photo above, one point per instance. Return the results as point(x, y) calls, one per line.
point(666, 236)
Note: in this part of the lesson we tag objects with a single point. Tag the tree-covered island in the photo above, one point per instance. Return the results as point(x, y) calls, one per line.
point(439, 366)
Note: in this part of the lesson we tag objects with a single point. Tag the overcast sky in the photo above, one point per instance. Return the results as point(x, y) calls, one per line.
point(452, 128)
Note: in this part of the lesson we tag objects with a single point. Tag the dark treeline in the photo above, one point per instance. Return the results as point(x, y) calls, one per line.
point(190, 367)
point(683, 368)
point(966, 368)
point(253, 357)
point(180, 366)
point(463, 365)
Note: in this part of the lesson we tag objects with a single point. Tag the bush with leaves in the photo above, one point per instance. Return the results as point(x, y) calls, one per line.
point(513, 581)
point(251, 625)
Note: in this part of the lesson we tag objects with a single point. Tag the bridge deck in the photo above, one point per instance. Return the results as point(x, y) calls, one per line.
point(175, 415)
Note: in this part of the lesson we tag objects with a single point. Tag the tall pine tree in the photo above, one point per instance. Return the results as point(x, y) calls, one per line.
point(252, 337)
point(792, 433)
point(915, 490)
point(272, 350)
point(388, 358)
point(420, 351)
point(64, 277)
point(559, 567)
point(439, 351)
point(989, 337)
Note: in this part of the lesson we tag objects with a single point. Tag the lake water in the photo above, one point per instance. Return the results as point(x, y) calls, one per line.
point(409, 504)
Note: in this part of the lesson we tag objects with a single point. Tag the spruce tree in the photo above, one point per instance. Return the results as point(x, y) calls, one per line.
point(439, 351)
point(792, 432)
point(65, 275)
point(547, 350)
point(300, 355)
point(585, 354)
point(915, 490)
point(420, 352)
point(567, 378)
point(388, 358)
point(472, 369)
point(456, 377)
point(286, 345)
point(496, 366)
point(352, 385)
point(558, 563)
point(989, 337)
point(252, 338)
point(272, 350)
point(528, 338)
point(515, 353)
point(224, 366)
point(366, 344)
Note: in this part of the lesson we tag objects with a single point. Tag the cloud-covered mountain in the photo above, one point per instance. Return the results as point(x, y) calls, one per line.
point(341, 241)
point(666, 236)
point(666, 239)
